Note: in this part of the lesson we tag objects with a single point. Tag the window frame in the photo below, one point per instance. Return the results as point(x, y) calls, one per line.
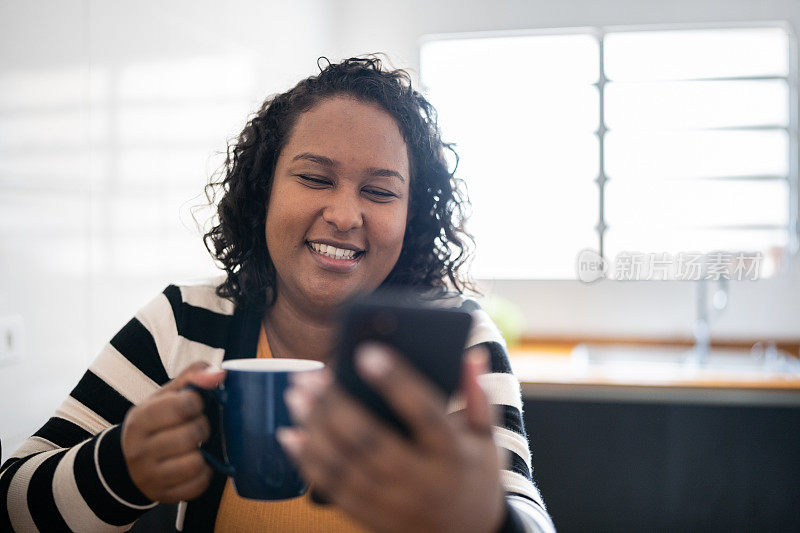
point(792, 249)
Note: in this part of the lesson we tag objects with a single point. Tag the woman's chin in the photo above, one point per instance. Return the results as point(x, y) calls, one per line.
point(330, 298)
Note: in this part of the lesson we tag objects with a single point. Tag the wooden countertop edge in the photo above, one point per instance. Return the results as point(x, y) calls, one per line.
point(720, 396)
point(770, 385)
point(558, 353)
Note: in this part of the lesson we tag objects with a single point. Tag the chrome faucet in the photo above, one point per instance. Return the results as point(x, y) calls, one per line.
point(706, 315)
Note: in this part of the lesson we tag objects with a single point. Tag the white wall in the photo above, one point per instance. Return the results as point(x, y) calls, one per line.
point(96, 175)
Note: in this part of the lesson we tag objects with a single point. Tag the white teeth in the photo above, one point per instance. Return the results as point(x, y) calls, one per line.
point(332, 251)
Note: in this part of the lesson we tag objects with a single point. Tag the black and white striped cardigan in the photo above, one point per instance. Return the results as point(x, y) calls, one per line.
point(71, 475)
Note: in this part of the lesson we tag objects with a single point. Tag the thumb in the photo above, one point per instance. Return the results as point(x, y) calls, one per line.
point(479, 414)
point(198, 373)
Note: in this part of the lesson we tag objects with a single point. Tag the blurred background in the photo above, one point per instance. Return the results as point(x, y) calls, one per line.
point(605, 144)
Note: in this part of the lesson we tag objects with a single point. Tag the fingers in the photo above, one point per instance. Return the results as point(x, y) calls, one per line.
point(180, 381)
point(180, 439)
point(307, 387)
point(168, 410)
point(160, 437)
point(192, 486)
point(337, 418)
point(173, 404)
point(198, 373)
point(177, 470)
point(479, 414)
point(331, 471)
point(209, 378)
point(168, 481)
point(313, 381)
point(412, 396)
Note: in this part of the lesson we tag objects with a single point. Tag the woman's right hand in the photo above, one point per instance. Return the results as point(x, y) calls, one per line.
point(161, 435)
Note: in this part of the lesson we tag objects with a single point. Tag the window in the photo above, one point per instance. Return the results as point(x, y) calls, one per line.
point(620, 140)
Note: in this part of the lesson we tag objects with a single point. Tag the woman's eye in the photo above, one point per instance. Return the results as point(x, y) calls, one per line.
point(380, 194)
point(314, 183)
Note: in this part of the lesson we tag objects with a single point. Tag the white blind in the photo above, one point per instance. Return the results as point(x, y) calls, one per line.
point(625, 141)
point(698, 147)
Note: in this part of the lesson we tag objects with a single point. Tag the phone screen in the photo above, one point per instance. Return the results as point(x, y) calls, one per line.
point(430, 339)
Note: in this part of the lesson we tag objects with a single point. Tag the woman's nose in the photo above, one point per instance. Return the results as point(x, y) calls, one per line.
point(344, 213)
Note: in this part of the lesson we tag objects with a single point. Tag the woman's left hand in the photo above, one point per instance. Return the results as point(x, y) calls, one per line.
point(444, 478)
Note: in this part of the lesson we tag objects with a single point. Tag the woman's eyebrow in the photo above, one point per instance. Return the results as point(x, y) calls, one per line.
point(315, 158)
point(385, 172)
point(328, 162)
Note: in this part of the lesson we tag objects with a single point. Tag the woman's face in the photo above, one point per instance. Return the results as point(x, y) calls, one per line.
point(337, 211)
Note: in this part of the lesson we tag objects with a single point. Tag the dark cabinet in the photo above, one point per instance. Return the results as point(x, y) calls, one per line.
point(606, 466)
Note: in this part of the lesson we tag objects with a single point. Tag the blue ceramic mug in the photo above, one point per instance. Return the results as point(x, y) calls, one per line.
point(252, 408)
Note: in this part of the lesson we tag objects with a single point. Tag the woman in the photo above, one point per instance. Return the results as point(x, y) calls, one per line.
point(334, 188)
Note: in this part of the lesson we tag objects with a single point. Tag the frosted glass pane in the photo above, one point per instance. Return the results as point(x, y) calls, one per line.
point(527, 148)
point(689, 204)
point(645, 156)
point(560, 58)
point(553, 91)
point(691, 105)
point(518, 112)
point(649, 240)
point(534, 205)
point(682, 54)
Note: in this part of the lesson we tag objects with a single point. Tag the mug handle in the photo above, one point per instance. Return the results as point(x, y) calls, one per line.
point(213, 397)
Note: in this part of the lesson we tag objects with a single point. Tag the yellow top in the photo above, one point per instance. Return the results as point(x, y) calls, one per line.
point(295, 515)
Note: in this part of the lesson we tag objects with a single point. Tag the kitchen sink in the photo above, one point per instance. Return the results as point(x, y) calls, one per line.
point(652, 359)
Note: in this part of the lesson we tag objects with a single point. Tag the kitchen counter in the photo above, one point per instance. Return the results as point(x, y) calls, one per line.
point(549, 371)
point(635, 447)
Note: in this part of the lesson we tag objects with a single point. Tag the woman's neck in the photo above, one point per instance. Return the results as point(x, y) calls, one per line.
point(299, 333)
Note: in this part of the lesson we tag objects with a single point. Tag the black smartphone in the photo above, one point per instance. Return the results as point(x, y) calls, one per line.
point(431, 339)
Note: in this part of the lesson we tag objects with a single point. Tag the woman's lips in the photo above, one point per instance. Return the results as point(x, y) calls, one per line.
point(335, 265)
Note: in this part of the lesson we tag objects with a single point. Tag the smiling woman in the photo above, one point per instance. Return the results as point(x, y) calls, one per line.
point(335, 188)
point(435, 246)
point(337, 212)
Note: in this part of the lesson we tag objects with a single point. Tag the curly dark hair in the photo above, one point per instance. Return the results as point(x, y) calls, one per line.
point(436, 245)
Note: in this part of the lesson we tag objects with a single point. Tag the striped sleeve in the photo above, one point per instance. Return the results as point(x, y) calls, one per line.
point(503, 391)
point(71, 474)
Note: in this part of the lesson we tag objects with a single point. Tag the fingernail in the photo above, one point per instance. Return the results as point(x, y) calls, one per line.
point(290, 396)
point(212, 369)
point(297, 402)
point(302, 379)
point(288, 440)
point(479, 360)
point(374, 361)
